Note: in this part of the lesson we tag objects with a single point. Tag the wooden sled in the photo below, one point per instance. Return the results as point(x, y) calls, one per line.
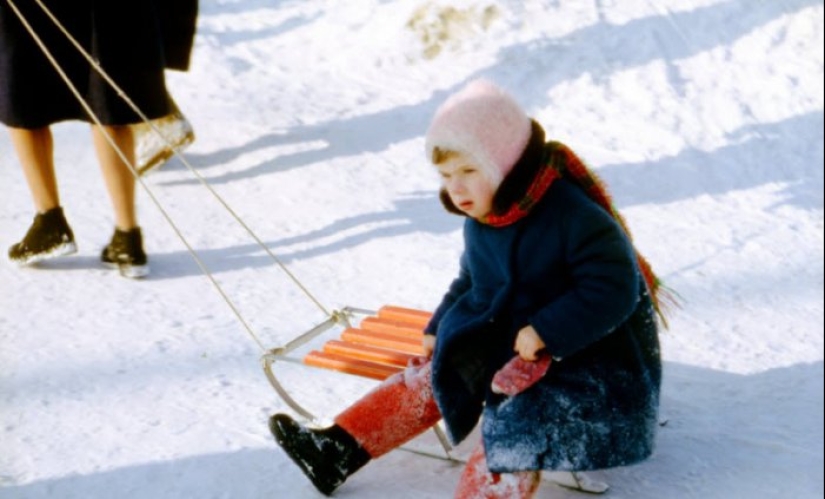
point(375, 345)
point(371, 344)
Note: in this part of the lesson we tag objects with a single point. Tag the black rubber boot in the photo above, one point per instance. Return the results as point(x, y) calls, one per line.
point(49, 236)
point(125, 253)
point(326, 456)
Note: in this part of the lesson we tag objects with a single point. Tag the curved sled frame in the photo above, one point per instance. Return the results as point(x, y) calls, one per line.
point(283, 354)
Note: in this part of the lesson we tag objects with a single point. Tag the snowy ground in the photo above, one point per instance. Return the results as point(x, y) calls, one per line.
point(704, 116)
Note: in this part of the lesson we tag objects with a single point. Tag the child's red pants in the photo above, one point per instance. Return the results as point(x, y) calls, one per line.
point(403, 407)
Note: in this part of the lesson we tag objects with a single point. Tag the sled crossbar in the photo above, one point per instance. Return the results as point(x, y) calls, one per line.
point(379, 347)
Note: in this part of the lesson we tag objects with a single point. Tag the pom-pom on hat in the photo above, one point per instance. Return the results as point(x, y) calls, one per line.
point(483, 122)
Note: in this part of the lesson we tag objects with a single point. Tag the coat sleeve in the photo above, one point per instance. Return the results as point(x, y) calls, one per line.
point(457, 288)
point(604, 282)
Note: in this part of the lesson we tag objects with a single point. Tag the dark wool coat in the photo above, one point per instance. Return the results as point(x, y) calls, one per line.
point(569, 270)
point(134, 41)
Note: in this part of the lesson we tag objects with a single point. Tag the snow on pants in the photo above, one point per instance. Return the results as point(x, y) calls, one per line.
point(403, 407)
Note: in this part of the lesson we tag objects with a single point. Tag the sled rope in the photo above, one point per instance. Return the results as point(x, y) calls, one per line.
point(143, 185)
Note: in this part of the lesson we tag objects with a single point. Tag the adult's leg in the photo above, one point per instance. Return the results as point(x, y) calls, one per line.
point(49, 235)
point(119, 179)
point(125, 250)
point(35, 151)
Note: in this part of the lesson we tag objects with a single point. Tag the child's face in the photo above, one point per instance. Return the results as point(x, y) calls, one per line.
point(469, 190)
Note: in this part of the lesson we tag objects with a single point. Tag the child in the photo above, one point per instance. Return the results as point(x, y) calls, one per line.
point(548, 277)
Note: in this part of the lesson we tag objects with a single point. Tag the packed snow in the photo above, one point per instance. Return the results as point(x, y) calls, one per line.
point(704, 117)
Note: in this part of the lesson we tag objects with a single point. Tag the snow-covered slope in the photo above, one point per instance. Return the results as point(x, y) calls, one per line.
point(705, 117)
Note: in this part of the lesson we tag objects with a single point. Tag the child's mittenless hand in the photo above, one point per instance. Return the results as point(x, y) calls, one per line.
point(419, 361)
point(528, 343)
point(523, 370)
point(428, 344)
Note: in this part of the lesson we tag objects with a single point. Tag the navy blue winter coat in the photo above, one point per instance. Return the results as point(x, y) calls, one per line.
point(569, 270)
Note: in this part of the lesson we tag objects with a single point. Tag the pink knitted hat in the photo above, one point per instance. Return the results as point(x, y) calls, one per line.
point(483, 122)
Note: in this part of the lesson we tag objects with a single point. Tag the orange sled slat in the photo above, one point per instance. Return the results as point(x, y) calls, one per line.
point(367, 352)
point(381, 325)
point(348, 365)
point(403, 314)
point(383, 340)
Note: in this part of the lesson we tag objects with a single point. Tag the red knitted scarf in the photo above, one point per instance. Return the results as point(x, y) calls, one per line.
point(542, 180)
point(563, 162)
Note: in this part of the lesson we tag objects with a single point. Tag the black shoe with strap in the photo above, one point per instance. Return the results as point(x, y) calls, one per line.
point(326, 456)
point(125, 253)
point(48, 237)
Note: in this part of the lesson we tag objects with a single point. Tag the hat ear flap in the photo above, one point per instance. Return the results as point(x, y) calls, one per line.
point(515, 185)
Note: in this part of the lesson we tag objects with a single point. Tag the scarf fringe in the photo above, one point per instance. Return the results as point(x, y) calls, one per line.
point(663, 297)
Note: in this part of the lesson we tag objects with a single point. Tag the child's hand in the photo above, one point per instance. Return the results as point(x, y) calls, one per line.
point(528, 343)
point(428, 344)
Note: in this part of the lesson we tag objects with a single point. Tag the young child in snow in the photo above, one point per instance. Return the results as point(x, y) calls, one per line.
point(548, 277)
